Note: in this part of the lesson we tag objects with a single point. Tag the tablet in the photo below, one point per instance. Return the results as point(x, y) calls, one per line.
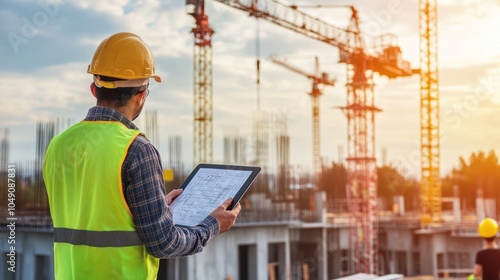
point(208, 186)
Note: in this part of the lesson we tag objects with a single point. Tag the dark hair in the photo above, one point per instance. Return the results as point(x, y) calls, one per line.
point(117, 97)
point(490, 239)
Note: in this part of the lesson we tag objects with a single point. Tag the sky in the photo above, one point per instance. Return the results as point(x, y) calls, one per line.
point(46, 46)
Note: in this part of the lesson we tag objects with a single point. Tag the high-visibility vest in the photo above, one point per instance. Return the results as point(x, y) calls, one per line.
point(94, 232)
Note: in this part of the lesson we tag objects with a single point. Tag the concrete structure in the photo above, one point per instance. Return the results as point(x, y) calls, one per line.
point(290, 249)
point(364, 276)
point(34, 256)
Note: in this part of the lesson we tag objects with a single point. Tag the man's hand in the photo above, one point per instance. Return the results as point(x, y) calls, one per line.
point(225, 217)
point(172, 195)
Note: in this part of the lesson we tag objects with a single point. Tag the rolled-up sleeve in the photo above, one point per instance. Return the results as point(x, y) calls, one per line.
point(145, 195)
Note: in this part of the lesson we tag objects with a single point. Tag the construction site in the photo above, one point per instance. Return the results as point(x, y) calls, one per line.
point(357, 217)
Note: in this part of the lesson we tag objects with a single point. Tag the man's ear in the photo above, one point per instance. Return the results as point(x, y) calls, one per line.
point(92, 89)
point(140, 98)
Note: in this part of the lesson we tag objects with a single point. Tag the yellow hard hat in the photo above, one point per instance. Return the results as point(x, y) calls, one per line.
point(488, 228)
point(125, 56)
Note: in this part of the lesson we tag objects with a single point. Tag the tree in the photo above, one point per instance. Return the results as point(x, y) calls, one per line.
point(333, 181)
point(480, 172)
point(390, 182)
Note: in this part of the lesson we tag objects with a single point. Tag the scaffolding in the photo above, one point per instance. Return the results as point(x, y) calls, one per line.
point(235, 146)
point(151, 127)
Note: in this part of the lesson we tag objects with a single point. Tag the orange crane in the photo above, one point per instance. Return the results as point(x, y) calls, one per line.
point(360, 109)
point(318, 79)
point(430, 184)
point(202, 78)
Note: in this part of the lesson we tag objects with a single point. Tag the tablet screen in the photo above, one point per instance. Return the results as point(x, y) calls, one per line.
point(206, 189)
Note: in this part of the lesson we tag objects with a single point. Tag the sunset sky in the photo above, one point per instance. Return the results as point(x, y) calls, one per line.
point(43, 73)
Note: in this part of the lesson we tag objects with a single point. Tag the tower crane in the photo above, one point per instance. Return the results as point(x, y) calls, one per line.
point(360, 109)
point(430, 188)
point(317, 80)
point(202, 78)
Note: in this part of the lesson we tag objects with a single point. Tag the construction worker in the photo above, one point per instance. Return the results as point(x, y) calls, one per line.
point(488, 260)
point(104, 180)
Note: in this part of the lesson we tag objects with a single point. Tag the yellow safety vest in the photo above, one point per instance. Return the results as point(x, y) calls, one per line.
point(94, 232)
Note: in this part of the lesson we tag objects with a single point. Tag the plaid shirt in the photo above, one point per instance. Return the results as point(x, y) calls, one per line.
point(144, 191)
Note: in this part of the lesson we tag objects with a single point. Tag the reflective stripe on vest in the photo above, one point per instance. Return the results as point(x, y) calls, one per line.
point(97, 238)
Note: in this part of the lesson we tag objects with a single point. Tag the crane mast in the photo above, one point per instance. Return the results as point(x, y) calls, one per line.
point(360, 111)
point(316, 92)
point(361, 164)
point(430, 188)
point(202, 78)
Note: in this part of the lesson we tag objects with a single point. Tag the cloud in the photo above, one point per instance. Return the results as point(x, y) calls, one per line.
point(113, 8)
point(31, 45)
point(51, 90)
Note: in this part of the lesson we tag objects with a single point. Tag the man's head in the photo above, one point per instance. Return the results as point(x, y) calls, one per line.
point(490, 239)
point(122, 66)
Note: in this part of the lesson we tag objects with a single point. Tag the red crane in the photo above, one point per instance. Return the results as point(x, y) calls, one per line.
point(318, 79)
point(202, 78)
point(360, 109)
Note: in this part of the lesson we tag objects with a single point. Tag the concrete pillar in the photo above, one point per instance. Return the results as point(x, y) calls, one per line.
point(320, 202)
point(262, 253)
point(192, 268)
point(322, 256)
point(457, 215)
point(28, 258)
point(409, 261)
point(51, 263)
point(335, 254)
point(456, 210)
point(480, 206)
point(398, 205)
point(282, 262)
point(252, 262)
point(3, 250)
point(427, 254)
point(392, 262)
point(431, 245)
point(288, 259)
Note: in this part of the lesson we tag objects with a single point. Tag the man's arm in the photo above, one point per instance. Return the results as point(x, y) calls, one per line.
point(478, 271)
point(145, 195)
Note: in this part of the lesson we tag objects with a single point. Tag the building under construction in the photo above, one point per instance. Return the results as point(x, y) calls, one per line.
point(287, 229)
point(285, 234)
